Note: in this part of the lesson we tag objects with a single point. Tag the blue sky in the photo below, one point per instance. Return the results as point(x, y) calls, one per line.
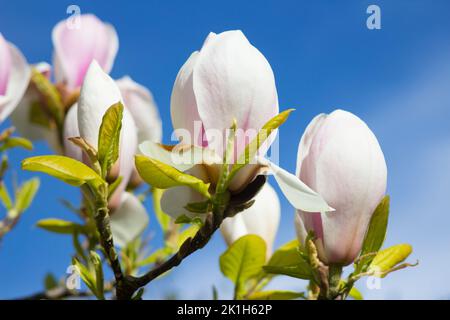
point(397, 79)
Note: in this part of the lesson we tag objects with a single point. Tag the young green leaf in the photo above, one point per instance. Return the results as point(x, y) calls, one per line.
point(25, 195)
point(50, 95)
point(276, 295)
point(161, 216)
point(61, 226)
point(50, 282)
point(64, 168)
point(109, 137)
point(252, 148)
point(87, 276)
point(99, 280)
point(163, 176)
point(300, 271)
point(243, 260)
point(13, 142)
point(375, 234)
point(287, 255)
point(355, 294)
point(5, 197)
point(158, 255)
point(387, 259)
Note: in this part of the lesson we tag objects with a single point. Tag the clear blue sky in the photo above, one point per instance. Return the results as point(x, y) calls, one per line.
point(397, 79)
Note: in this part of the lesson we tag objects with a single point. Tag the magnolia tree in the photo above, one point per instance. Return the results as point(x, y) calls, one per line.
point(106, 137)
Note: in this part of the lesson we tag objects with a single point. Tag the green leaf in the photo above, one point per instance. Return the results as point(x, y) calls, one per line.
point(13, 142)
point(287, 260)
point(189, 232)
point(276, 295)
point(49, 93)
point(25, 194)
point(61, 226)
point(375, 235)
point(300, 271)
point(252, 148)
point(355, 294)
point(162, 217)
point(99, 280)
point(286, 255)
point(87, 276)
point(50, 282)
point(199, 207)
point(138, 295)
point(387, 259)
point(243, 260)
point(64, 168)
point(5, 197)
point(158, 255)
point(109, 137)
point(163, 176)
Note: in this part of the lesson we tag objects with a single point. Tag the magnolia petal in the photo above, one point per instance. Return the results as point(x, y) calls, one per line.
point(261, 219)
point(174, 200)
point(70, 131)
point(233, 80)
point(142, 107)
point(76, 47)
point(307, 139)
point(298, 194)
point(98, 93)
point(129, 220)
point(20, 117)
point(357, 186)
point(183, 106)
point(18, 80)
point(5, 65)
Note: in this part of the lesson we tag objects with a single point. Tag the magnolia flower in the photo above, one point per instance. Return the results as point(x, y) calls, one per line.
point(261, 219)
point(76, 48)
point(22, 115)
point(227, 80)
point(142, 107)
point(14, 77)
point(340, 158)
point(98, 93)
point(129, 220)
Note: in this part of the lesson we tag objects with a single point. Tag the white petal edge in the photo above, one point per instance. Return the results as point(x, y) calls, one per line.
point(298, 193)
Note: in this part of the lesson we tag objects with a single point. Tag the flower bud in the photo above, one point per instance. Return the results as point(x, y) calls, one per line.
point(340, 158)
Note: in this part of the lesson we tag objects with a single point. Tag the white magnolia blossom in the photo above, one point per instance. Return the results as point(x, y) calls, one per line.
point(228, 79)
point(261, 219)
point(14, 77)
point(340, 158)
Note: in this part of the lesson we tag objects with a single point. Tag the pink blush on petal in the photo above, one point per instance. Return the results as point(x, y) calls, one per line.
point(5, 65)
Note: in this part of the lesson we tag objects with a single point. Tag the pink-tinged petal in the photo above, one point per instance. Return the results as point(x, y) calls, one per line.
point(5, 65)
point(346, 166)
point(129, 220)
point(175, 199)
point(98, 93)
point(21, 116)
point(18, 80)
point(75, 48)
point(71, 130)
point(142, 107)
point(262, 219)
point(183, 107)
point(233, 80)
